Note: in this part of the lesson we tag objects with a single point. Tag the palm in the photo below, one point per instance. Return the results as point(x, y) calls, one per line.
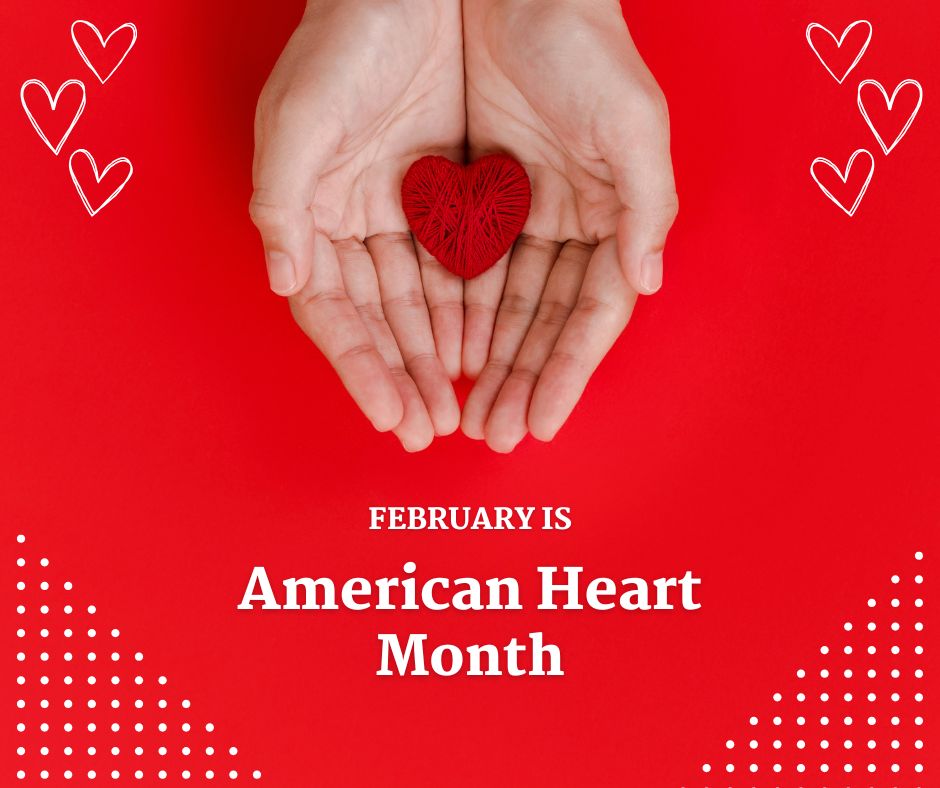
point(388, 104)
point(403, 103)
point(546, 122)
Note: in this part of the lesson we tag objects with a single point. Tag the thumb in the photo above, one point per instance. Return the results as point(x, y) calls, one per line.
point(641, 237)
point(287, 232)
point(293, 142)
point(641, 163)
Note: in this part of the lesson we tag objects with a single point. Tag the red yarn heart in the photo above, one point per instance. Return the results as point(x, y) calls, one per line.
point(466, 216)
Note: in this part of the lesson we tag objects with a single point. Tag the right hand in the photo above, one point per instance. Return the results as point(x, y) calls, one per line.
point(362, 89)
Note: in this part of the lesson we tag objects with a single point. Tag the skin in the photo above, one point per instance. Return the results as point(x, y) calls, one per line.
point(333, 140)
point(347, 108)
point(591, 127)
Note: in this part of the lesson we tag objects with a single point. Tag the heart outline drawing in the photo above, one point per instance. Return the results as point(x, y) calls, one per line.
point(890, 104)
point(839, 41)
point(52, 103)
point(98, 178)
point(844, 178)
point(104, 45)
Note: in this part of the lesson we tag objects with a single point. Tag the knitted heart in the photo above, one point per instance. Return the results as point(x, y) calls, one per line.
point(466, 216)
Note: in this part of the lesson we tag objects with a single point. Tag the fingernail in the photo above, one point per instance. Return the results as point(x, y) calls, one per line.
point(651, 273)
point(280, 272)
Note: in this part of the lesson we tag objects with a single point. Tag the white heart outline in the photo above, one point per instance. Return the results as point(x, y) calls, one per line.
point(809, 40)
point(104, 44)
point(98, 178)
point(52, 104)
point(844, 178)
point(890, 103)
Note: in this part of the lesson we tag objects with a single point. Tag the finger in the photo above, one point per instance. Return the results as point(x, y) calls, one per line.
point(443, 292)
point(637, 148)
point(327, 315)
point(287, 162)
point(507, 423)
point(481, 297)
point(415, 430)
point(287, 235)
point(604, 306)
point(530, 265)
point(399, 280)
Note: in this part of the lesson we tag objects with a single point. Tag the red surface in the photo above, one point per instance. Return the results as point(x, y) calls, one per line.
point(769, 420)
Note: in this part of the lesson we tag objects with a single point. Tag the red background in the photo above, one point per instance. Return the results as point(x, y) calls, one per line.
point(769, 420)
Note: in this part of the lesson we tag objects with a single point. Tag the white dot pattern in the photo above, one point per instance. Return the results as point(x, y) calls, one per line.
point(869, 677)
point(121, 710)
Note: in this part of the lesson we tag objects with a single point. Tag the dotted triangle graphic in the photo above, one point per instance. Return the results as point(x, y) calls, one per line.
point(91, 708)
point(851, 714)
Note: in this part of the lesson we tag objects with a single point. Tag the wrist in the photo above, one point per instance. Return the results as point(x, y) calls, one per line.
point(319, 6)
point(536, 5)
point(376, 10)
point(520, 14)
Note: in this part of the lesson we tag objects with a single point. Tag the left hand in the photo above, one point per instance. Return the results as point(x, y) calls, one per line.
point(561, 87)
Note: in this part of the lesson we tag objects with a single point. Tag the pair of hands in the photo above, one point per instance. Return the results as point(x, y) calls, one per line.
point(364, 88)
